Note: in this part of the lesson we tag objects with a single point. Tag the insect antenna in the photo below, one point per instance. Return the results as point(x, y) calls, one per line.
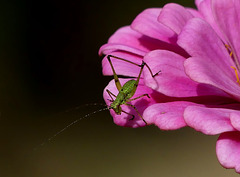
point(71, 124)
point(88, 104)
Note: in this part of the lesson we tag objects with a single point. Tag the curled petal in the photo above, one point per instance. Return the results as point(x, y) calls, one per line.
point(194, 12)
point(235, 120)
point(127, 36)
point(167, 116)
point(174, 16)
point(197, 2)
point(228, 150)
point(210, 121)
point(122, 67)
point(147, 24)
point(110, 48)
point(127, 40)
point(124, 39)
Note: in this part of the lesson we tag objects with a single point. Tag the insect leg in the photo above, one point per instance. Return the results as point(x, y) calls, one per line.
point(111, 94)
point(117, 82)
point(153, 75)
point(143, 63)
point(138, 78)
point(129, 114)
point(138, 97)
point(124, 60)
point(137, 112)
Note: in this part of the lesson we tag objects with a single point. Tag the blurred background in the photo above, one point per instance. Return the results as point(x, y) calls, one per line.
point(49, 64)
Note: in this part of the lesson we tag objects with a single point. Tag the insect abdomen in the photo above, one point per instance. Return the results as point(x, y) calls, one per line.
point(126, 92)
point(129, 88)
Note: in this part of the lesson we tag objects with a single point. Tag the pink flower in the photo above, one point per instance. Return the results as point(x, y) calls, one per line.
point(211, 63)
point(198, 53)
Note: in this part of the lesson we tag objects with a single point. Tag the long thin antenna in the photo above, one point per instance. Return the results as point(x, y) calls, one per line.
point(71, 124)
point(88, 104)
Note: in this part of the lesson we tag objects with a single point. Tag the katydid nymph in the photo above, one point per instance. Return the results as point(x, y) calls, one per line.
point(124, 96)
point(127, 91)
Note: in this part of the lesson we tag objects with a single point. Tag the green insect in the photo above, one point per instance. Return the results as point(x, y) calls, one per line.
point(125, 94)
point(127, 91)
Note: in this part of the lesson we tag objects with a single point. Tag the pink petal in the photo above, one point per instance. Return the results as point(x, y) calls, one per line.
point(147, 24)
point(200, 40)
point(141, 104)
point(124, 39)
point(235, 120)
point(210, 121)
point(202, 71)
point(174, 16)
point(172, 80)
point(129, 38)
point(226, 14)
point(198, 2)
point(109, 48)
point(228, 150)
point(167, 116)
point(211, 63)
point(194, 12)
point(122, 67)
point(205, 8)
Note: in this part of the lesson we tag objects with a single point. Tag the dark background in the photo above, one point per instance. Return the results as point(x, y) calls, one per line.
point(49, 63)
